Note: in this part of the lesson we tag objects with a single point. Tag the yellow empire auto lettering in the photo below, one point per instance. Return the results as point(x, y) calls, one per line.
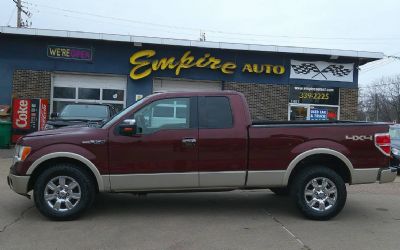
point(263, 68)
point(144, 64)
point(140, 64)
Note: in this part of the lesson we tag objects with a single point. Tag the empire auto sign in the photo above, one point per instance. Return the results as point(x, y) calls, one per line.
point(145, 62)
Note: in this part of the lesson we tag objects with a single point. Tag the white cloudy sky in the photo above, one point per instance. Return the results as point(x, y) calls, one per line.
point(337, 24)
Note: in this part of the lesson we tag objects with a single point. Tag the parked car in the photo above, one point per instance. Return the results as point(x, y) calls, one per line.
point(209, 144)
point(395, 145)
point(81, 114)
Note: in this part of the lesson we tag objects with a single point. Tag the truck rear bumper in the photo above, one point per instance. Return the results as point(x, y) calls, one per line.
point(387, 174)
point(371, 175)
point(18, 184)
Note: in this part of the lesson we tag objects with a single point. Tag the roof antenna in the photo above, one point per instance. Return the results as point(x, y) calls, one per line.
point(202, 36)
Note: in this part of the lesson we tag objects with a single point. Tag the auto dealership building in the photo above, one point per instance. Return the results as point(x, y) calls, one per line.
point(280, 83)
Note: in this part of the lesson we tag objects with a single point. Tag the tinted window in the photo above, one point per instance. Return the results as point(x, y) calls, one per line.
point(64, 92)
point(215, 112)
point(89, 94)
point(113, 94)
point(163, 114)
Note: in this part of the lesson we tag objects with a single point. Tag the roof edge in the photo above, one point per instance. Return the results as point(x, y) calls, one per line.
point(365, 55)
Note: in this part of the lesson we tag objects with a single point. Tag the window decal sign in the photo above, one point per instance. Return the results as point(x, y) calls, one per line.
point(63, 52)
point(318, 114)
point(322, 71)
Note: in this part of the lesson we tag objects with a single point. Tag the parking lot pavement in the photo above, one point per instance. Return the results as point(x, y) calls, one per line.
point(225, 220)
point(6, 153)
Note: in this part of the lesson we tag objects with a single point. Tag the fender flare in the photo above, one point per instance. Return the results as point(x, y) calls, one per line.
point(74, 156)
point(316, 151)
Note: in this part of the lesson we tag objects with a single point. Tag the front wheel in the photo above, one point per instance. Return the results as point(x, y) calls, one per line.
point(63, 192)
point(319, 192)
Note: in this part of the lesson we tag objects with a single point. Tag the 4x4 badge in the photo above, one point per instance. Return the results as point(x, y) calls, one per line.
point(359, 137)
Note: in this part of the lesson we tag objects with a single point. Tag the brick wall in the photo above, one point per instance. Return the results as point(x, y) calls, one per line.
point(270, 102)
point(31, 84)
point(348, 104)
point(266, 101)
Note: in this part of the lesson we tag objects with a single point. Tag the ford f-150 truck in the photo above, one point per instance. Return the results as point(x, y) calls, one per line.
point(199, 141)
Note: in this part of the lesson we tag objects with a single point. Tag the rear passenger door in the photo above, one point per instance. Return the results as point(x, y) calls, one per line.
point(222, 143)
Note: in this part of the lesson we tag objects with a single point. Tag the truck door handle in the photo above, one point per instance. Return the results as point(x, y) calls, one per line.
point(189, 141)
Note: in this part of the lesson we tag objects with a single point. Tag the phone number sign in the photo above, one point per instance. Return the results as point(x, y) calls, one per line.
point(314, 95)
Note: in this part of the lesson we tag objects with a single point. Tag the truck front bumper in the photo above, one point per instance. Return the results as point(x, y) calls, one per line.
point(387, 174)
point(18, 184)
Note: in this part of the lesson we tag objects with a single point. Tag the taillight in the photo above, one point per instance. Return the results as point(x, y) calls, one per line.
point(382, 142)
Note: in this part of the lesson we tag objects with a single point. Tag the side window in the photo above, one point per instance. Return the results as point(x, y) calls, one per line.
point(163, 114)
point(215, 112)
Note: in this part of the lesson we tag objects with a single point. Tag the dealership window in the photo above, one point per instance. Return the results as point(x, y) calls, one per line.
point(313, 103)
point(78, 88)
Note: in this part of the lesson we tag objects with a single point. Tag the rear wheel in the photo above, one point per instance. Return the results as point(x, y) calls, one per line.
point(319, 192)
point(63, 192)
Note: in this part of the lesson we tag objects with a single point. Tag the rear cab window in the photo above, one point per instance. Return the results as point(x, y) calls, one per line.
point(215, 112)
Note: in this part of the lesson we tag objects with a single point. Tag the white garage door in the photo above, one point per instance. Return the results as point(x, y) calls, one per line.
point(76, 88)
point(169, 85)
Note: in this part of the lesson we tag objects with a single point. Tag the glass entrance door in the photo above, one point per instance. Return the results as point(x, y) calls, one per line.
point(301, 112)
point(298, 113)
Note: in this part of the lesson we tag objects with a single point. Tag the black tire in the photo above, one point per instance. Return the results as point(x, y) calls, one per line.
point(70, 173)
point(304, 178)
point(282, 191)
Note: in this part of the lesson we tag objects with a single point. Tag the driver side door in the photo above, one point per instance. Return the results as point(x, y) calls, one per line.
point(163, 151)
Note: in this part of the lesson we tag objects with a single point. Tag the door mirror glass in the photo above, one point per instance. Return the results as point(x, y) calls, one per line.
point(128, 127)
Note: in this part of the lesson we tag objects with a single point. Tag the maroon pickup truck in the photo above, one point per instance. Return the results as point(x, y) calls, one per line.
point(201, 141)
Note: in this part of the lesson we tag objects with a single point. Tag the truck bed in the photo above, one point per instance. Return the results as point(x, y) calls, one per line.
point(341, 122)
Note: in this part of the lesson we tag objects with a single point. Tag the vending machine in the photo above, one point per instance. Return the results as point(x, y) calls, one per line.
point(28, 115)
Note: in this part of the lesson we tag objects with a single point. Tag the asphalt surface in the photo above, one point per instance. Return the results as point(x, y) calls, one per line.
point(225, 220)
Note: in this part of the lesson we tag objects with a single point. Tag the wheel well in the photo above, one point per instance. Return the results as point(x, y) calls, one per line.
point(326, 160)
point(42, 166)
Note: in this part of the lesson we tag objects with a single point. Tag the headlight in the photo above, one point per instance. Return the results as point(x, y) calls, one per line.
point(21, 152)
point(395, 151)
point(48, 127)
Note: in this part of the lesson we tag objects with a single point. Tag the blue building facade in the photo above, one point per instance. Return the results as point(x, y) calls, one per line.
point(140, 64)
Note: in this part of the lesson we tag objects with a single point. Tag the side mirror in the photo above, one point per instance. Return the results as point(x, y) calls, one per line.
point(54, 115)
point(128, 127)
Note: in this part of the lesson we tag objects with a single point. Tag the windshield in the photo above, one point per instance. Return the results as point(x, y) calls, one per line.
point(123, 112)
point(84, 111)
point(394, 132)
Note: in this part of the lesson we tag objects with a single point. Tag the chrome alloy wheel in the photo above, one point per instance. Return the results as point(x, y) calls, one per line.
point(320, 194)
point(62, 193)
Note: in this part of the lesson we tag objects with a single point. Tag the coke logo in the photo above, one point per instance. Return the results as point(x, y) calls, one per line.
point(22, 114)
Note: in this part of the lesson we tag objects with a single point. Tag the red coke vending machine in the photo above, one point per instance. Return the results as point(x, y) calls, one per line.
point(28, 115)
